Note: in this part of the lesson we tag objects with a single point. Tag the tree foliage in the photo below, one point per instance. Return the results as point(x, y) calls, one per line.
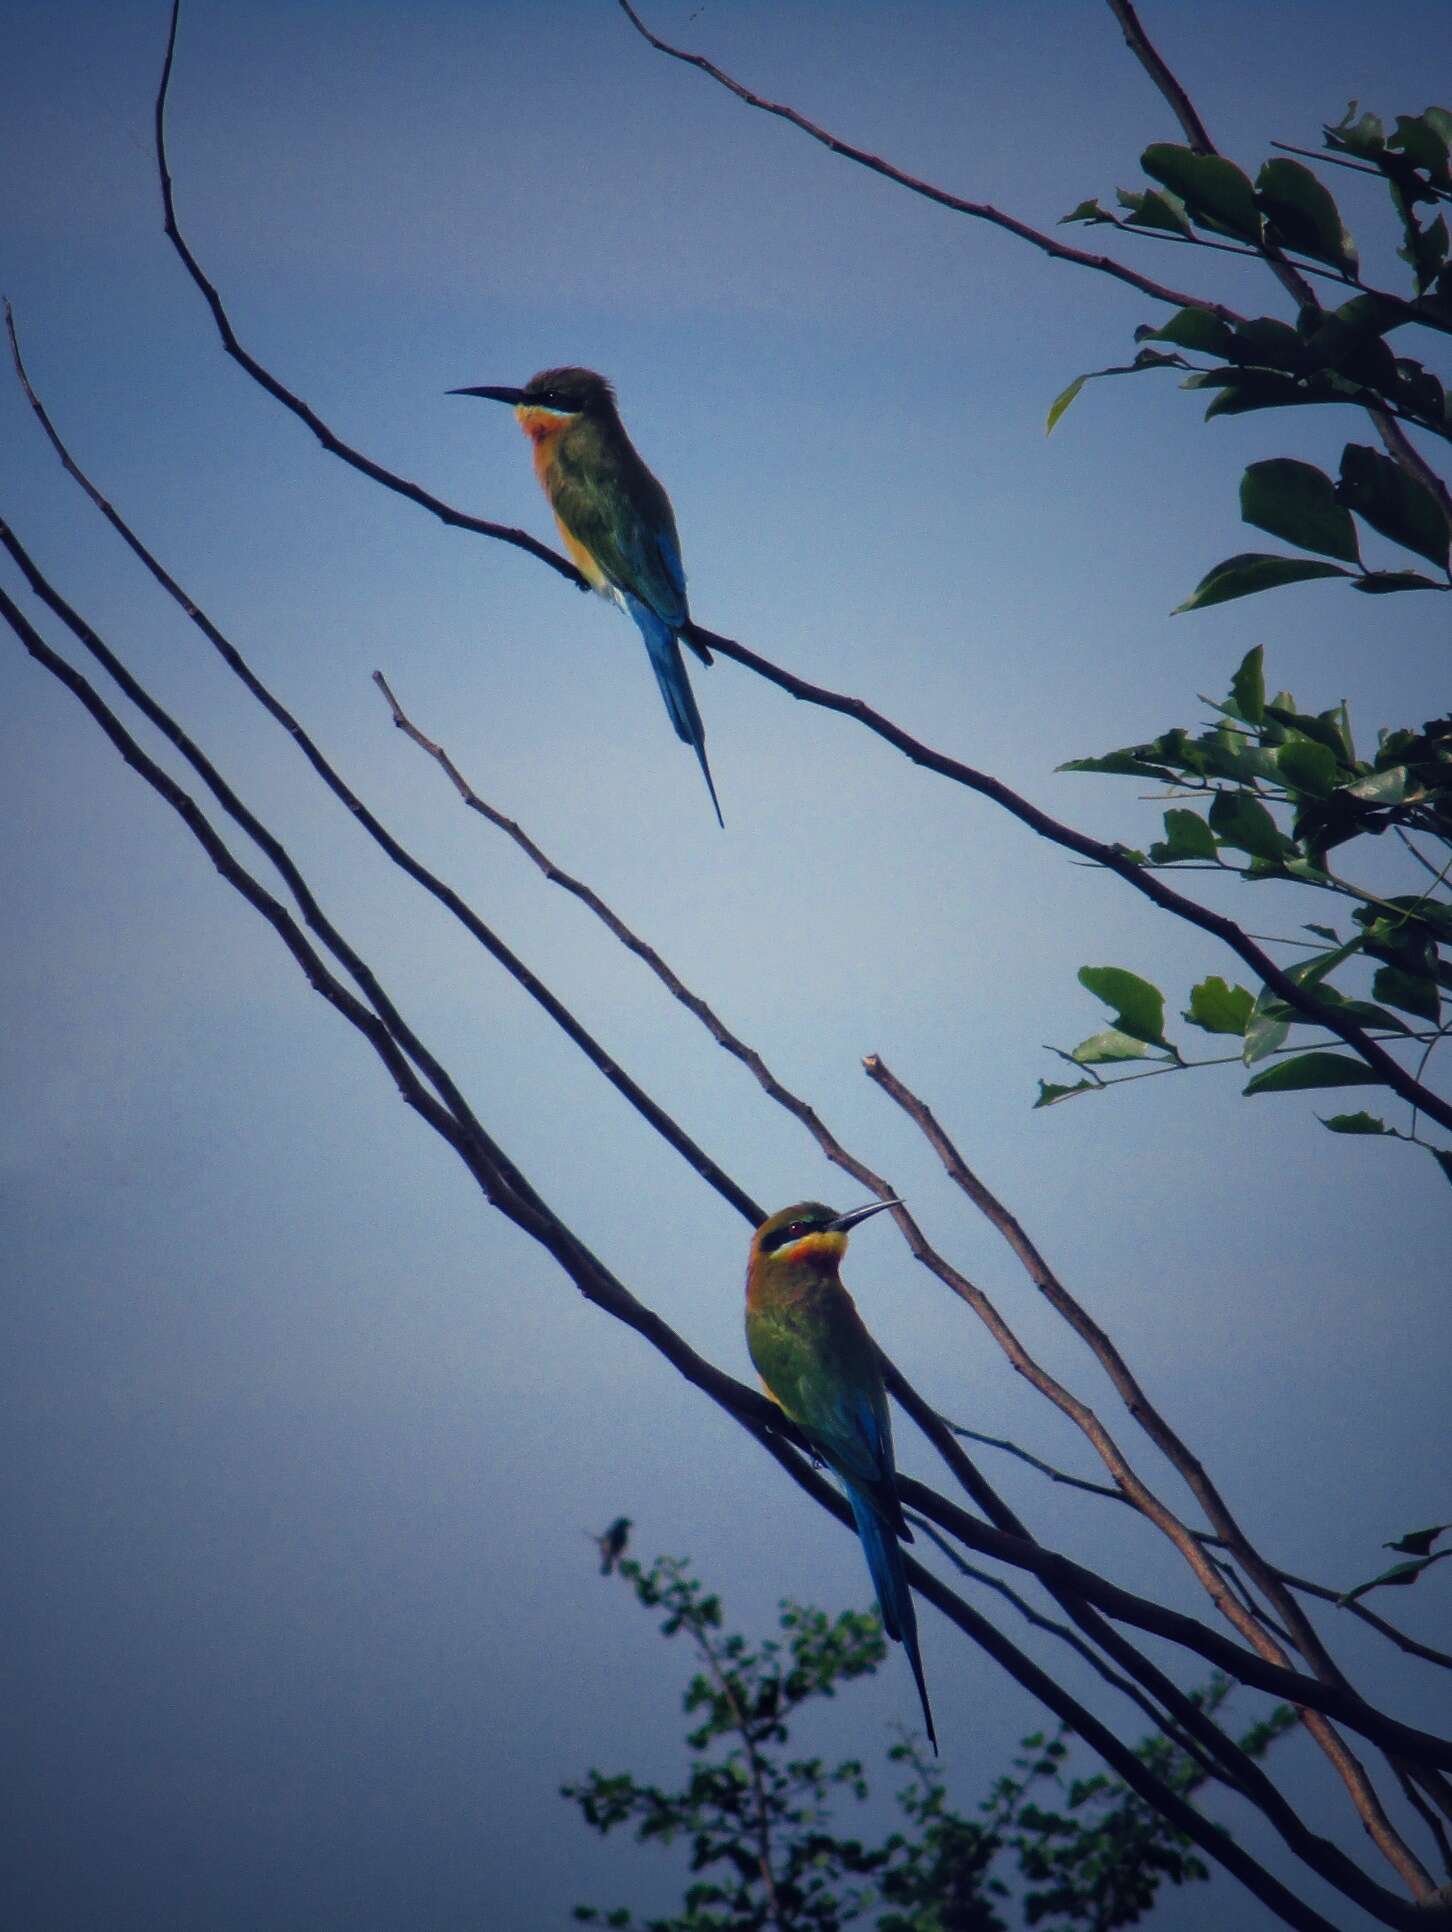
point(1280, 796)
point(1046, 1847)
point(1289, 797)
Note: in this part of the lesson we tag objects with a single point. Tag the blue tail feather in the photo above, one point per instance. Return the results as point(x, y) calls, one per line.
point(894, 1593)
point(675, 687)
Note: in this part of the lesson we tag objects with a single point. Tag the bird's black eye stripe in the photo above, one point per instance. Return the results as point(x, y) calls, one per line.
point(793, 1231)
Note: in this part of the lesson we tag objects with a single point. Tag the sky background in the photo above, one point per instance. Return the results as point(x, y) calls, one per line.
point(299, 1442)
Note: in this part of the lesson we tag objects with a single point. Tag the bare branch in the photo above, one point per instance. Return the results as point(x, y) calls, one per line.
point(1183, 108)
point(1236, 1767)
point(1288, 1577)
point(524, 976)
point(1358, 1784)
point(979, 210)
point(1112, 858)
point(1124, 1685)
point(330, 441)
point(507, 1189)
point(664, 1125)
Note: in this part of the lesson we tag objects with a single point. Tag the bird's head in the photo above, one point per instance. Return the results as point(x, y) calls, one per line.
point(560, 393)
point(809, 1231)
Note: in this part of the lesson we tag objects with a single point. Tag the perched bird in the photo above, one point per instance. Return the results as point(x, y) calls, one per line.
point(616, 521)
point(612, 1544)
point(819, 1364)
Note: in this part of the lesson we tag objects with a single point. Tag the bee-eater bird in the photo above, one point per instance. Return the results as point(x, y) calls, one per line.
point(616, 521)
point(819, 1364)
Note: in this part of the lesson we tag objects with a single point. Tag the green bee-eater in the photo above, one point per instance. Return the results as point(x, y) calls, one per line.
point(616, 521)
point(819, 1363)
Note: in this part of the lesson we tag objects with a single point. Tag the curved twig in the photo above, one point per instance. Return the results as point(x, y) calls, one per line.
point(508, 1190)
point(1113, 858)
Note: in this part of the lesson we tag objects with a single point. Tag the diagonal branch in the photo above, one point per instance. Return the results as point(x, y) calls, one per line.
point(1148, 56)
point(1288, 1577)
point(329, 439)
point(1240, 1769)
point(508, 1190)
point(604, 1062)
point(979, 210)
point(1291, 276)
point(1188, 1466)
point(1113, 858)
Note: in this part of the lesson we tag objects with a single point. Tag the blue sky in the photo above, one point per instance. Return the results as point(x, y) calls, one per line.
point(299, 1441)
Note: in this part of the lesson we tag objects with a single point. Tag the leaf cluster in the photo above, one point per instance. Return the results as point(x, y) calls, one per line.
point(1326, 356)
point(765, 1851)
point(1284, 790)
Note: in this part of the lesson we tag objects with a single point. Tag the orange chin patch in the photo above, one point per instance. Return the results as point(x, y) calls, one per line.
point(826, 1245)
point(539, 425)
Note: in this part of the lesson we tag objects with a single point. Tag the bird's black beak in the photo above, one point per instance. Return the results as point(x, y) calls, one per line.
point(850, 1220)
point(514, 397)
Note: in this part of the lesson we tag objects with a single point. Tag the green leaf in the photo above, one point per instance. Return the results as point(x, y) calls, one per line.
point(1364, 1012)
point(1217, 1008)
point(1425, 250)
point(1138, 1007)
point(1412, 992)
point(1387, 580)
point(1111, 1044)
point(1050, 1095)
point(1393, 503)
point(1418, 1542)
point(1192, 328)
point(1307, 766)
point(1145, 359)
point(1214, 190)
point(1400, 1573)
point(1251, 571)
point(1390, 787)
point(1187, 836)
point(1264, 341)
point(1243, 390)
point(1238, 819)
point(1313, 1070)
point(1419, 392)
point(1326, 729)
point(1355, 1124)
point(1298, 502)
point(1062, 400)
point(1325, 932)
point(1305, 213)
point(1311, 972)
point(1424, 143)
point(1155, 210)
point(1267, 1028)
point(1366, 137)
point(1088, 211)
point(1247, 687)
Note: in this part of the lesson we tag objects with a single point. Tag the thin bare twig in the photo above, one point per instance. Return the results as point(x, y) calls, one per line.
point(1292, 278)
point(507, 1189)
point(1288, 1577)
point(1183, 108)
point(1363, 1793)
point(657, 1117)
point(1124, 1685)
point(979, 210)
point(1240, 1768)
point(604, 1062)
point(1112, 858)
